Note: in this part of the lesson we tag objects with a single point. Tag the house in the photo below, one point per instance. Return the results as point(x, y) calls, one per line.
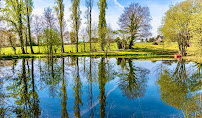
point(160, 39)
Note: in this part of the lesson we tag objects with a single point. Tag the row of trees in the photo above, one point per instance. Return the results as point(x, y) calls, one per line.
point(17, 15)
point(52, 31)
point(182, 24)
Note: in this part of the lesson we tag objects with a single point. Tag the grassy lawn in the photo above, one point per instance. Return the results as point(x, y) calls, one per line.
point(139, 49)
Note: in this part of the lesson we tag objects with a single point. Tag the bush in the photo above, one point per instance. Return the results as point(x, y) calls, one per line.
point(119, 44)
point(154, 43)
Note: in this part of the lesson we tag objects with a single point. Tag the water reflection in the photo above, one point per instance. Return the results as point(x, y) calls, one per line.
point(133, 82)
point(99, 87)
point(23, 90)
point(77, 91)
point(181, 89)
point(63, 93)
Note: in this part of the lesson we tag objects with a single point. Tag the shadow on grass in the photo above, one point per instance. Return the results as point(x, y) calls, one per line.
point(152, 51)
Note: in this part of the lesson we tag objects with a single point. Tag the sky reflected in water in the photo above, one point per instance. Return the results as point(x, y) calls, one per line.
point(99, 87)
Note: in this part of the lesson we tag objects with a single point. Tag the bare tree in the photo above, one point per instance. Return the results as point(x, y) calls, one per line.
point(38, 26)
point(136, 21)
point(49, 18)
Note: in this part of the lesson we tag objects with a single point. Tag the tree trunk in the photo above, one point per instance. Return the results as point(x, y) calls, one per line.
point(61, 35)
point(20, 30)
point(90, 25)
point(29, 30)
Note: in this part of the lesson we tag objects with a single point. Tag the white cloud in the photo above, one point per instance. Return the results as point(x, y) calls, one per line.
point(117, 3)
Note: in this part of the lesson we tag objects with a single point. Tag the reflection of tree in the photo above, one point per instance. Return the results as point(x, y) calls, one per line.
point(90, 88)
point(102, 79)
point(23, 90)
point(51, 74)
point(34, 99)
point(179, 89)
point(77, 92)
point(63, 93)
point(133, 83)
point(3, 109)
point(122, 62)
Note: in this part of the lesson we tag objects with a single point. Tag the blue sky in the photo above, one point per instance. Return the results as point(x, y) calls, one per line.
point(115, 9)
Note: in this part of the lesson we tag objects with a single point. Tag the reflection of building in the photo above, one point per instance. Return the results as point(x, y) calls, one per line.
point(160, 39)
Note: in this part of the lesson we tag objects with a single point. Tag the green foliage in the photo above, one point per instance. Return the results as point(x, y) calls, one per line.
point(13, 13)
point(59, 8)
point(179, 89)
point(102, 26)
point(151, 39)
point(51, 40)
point(196, 32)
point(76, 20)
point(177, 21)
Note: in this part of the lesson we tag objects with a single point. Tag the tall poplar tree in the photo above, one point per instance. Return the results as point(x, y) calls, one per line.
point(102, 5)
point(76, 21)
point(89, 6)
point(29, 6)
point(59, 8)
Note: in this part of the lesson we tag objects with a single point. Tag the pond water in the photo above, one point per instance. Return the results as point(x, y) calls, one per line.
point(99, 87)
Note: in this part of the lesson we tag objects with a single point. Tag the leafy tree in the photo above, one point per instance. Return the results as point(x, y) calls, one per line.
point(102, 5)
point(136, 21)
point(89, 6)
point(59, 8)
point(176, 24)
point(196, 31)
point(51, 37)
point(29, 6)
point(151, 39)
point(75, 17)
point(52, 40)
point(13, 13)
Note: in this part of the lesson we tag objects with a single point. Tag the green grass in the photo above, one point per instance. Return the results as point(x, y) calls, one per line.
point(138, 49)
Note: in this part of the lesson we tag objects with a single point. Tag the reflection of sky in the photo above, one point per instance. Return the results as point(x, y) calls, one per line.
point(115, 9)
point(118, 105)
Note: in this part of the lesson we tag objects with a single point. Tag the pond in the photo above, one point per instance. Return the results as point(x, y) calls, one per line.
point(99, 87)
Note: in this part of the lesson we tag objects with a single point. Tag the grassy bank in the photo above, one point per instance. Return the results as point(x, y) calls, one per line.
point(139, 49)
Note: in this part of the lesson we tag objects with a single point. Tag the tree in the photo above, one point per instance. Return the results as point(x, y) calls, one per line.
point(59, 8)
point(196, 31)
point(38, 26)
point(89, 6)
point(136, 21)
point(151, 39)
point(29, 6)
point(13, 14)
point(102, 5)
point(75, 17)
point(51, 37)
point(176, 22)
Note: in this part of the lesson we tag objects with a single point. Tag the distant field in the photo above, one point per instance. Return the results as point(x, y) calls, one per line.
point(144, 48)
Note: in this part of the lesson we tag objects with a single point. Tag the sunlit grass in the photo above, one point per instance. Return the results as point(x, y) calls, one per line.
point(139, 49)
